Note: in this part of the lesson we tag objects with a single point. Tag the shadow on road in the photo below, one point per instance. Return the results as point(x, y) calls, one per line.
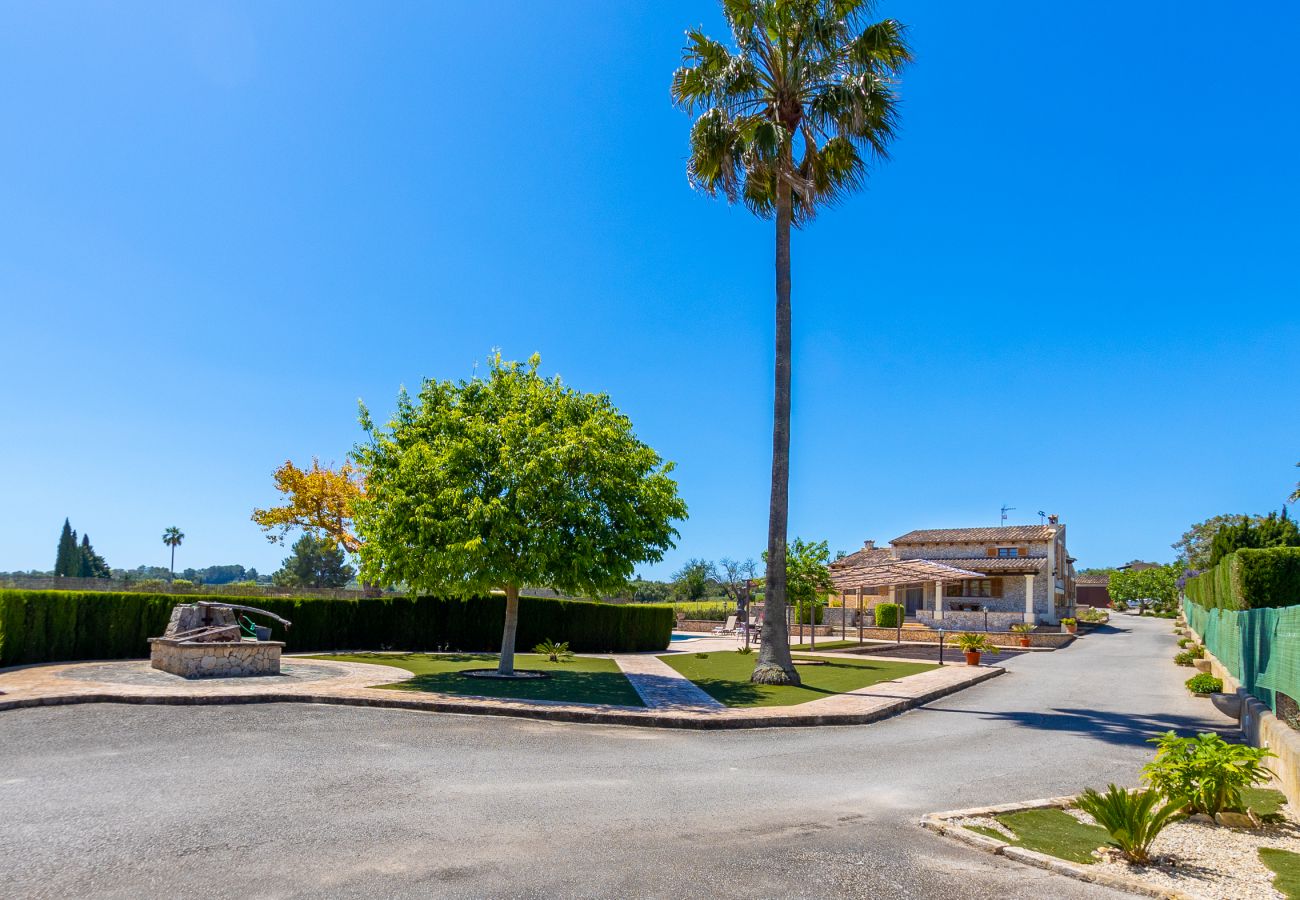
point(1133, 729)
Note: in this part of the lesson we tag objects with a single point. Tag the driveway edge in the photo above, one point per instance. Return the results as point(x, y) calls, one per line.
point(941, 823)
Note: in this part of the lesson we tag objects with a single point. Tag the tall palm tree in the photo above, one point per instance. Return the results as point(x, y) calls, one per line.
point(172, 537)
point(788, 117)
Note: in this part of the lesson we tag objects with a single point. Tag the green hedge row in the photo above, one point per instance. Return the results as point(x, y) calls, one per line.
point(47, 626)
point(1249, 579)
point(889, 615)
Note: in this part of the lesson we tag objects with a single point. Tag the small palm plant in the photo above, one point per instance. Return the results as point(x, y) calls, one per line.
point(1133, 818)
point(556, 653)
point(974, 642)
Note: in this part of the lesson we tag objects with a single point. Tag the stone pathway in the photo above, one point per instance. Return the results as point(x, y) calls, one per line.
point(661, 686)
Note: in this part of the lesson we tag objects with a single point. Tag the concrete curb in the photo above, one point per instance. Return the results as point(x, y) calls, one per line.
point(940, 824)
point(595, 715)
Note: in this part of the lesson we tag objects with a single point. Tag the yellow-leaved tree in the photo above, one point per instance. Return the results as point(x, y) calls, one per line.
point(319, 500)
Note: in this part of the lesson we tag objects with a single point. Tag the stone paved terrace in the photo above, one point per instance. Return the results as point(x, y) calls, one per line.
point(672, 701)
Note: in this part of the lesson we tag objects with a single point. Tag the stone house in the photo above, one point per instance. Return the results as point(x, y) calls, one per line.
point(965, 578)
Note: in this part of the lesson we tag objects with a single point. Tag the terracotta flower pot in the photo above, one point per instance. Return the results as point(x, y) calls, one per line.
point(1024, 642)
point(972, 657)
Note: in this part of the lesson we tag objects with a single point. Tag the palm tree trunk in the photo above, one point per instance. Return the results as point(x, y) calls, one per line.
point(507, 664)
point(173, 571)
point(774, 665)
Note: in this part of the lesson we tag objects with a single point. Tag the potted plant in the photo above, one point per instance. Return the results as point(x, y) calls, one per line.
point(973, 644)
point(1024, 629)
point(1070, 625)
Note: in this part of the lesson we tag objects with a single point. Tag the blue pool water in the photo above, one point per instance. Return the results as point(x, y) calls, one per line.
point(683, 637)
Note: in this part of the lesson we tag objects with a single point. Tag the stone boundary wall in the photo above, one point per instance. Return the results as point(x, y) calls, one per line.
point(1041, 639)
point(1262, 728)
point(972, 621)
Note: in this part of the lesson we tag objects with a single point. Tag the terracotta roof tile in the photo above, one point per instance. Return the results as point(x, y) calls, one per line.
point(977, 535)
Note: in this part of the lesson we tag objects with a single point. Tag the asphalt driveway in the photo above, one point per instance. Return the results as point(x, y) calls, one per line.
point(293, 800)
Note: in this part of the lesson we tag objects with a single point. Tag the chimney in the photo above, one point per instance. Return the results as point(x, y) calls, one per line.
point(1053, 520)
point(868, 545)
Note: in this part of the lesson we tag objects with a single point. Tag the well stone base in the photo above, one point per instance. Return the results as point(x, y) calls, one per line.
point(215, 659)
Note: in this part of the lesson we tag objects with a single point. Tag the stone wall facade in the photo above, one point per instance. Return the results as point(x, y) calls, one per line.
point(972, 621)
point(226, 659)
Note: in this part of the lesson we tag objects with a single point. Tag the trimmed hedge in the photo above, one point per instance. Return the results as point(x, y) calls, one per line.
point(1250, 579)
point(889, 615)
point(47, 626)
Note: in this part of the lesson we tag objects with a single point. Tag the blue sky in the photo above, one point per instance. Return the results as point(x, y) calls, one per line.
point(1075, 288)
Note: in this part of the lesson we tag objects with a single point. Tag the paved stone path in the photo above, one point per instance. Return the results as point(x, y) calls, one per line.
point(661, 686)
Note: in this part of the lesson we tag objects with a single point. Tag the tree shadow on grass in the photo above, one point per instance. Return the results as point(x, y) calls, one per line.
point(604, 688)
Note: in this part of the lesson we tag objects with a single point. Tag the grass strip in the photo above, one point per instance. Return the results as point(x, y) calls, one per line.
point(1056, 833)
point(581, 680)
point(1286, 865)
point(724, 676)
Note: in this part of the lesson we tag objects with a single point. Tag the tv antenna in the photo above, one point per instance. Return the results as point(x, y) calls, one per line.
point(1041, 516)
point(1006, 509)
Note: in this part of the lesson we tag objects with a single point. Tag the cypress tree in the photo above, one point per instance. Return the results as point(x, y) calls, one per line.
point(89, 563)
point(68, 559)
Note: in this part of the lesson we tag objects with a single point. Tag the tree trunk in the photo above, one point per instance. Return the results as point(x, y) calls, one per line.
point(507, 665)
point(774, 665)
point(172, 577)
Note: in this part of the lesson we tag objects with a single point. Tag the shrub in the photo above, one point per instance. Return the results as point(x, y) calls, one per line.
point(744, 651)
point(1196, 651)
point(801, 612)
point(1094, 616)
point(1249, 579)
point(1184, 658)
point(889, 615)
point(556, 653)
point(975, 642)
point(1069, 621)
point(45, 626)
point(1183, 642)
point(1204, 683)
point(1133, 818)
point(1207, 772)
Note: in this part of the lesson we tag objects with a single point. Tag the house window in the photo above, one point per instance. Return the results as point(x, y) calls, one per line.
point(1008, 551)
point(975, 587)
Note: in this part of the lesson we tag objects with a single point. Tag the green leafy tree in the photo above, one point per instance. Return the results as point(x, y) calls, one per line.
point(67, 561)
point(508, 480)
point(787, 118)
point(644, 591)
point(317, 562)
point(89, 563)
point(1195, 544)
point(1272, 530)
point(173, 537)
point(1156, 586)
point(1295, 495)
point(693, 580)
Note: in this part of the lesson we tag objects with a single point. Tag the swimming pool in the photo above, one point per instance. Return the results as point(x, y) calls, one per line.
point(683, 637)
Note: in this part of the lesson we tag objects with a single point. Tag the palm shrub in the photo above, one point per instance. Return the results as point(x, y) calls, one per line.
point(1022, 628)
point(974, 642)
point(1207, 772)
point(1133, 818)
point(554, 652)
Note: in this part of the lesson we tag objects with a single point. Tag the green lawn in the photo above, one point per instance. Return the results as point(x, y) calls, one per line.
point(724, 675)
point(1265, 802)
point(1054, 832)
point(582, 680)
point(1287, 866)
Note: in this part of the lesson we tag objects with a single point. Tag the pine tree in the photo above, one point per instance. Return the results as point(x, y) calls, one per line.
point(67, 562)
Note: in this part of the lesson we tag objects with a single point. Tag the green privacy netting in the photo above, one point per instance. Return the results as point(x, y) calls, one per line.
point(1260, 647)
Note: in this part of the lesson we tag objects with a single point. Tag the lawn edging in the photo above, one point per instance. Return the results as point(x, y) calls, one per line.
point(942, 823)
point(765, 717)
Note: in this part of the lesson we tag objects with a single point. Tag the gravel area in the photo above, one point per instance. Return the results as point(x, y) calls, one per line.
point(1206, 860)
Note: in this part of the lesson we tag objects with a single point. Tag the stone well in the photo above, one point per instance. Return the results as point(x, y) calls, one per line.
point(203, 640)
